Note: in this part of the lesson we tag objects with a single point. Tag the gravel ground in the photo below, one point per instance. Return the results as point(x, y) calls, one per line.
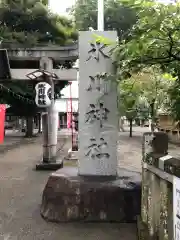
point(130, 149)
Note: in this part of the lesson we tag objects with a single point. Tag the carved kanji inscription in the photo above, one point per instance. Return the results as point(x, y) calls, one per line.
point(97, 149)
point(97, 112)
point(99, 83)
point(96, 50)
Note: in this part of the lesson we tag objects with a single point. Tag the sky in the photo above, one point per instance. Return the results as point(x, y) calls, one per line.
point(60, 6)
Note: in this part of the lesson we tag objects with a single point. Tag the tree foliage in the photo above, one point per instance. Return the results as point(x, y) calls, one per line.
point(154, 40)
point(142, 89)
point(30, 23)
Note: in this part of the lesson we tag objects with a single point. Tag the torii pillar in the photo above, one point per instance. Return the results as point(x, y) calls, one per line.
point(49, 126)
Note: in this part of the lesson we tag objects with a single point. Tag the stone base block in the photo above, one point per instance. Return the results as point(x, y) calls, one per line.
point(72, 155)
point(70, 197)
point(51, 166)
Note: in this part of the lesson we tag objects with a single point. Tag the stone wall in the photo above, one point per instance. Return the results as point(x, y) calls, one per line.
point(158, 171)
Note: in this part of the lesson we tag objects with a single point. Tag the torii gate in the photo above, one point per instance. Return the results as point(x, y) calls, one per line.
point(44, 57)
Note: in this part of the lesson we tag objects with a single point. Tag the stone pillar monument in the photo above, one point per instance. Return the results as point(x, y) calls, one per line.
point(95, 189)
point(98, 121)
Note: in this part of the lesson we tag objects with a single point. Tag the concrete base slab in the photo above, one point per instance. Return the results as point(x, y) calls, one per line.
point(70, 197)
point(51, 166)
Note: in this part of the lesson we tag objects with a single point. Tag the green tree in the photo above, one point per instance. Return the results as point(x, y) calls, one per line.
point(117, 16)
point(128, 98)
point(155, 86)
point(174, 93)
point(154, 37)
point(34, 24)
point(154, 41)
point(144, 93)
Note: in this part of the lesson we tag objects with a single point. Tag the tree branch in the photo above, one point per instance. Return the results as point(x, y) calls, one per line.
point(152, 61)
point(171, 47)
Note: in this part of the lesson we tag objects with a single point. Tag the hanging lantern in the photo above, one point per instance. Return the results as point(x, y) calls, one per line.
point(43, 98)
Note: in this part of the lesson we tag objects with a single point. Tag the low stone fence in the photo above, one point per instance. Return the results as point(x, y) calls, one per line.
point(158, 171)
point(174, 135)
